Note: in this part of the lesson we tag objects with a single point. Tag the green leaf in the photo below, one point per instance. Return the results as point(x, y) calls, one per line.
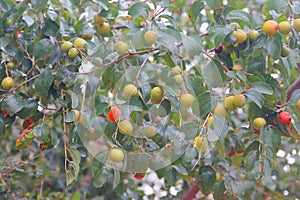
point(180, 169)
point(295, 96)
point(207, 180)
point(240, 16)
point(164, 108)
point(116, 178)
point(139, 9)
point(195, 10)
point(29, 110)
point(263, 88)
point(219, 32)
point(43, 82)
point(40, 4)
point(256, 63)
point(277, 6)
point(192, 46)
point(214, 4)
point(271, 138)
point(273, 48)
point(2, 126)
point(42, 49)
point(219, 132)
point(220, 190)
point(255, 96)
point(190, 154)
point(295, 7)
point(51, 28)
point(251, 147)
point(76, 196)
point(205, 103)
point(169, 38)
point(213, 75)
point(12, 103)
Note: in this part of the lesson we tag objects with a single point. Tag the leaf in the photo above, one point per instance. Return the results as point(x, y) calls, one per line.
point(29, 110)
point(277, 6)
point(295, 7)
point(219, 32)
point(190, 154)
point(205, 103)
point(220, 131)
point(74, 167)
point(116, 178)
point(271, 138)
point(180, 169)
point(273, 48)
point(240, 16)
point(207, 180)
point(43, 82)
point(295, 96)
point(213, 75)
point(169, 38)
point(195, 10)
point(256, 63)
point(29, 21)
point(12, 103)
point(40, 4)
point(164, 108)
point(263, 88)
point(76, 196)
point(25, 139)
point(192, 46)
point(255, 96)
point(42, 49)
point(139, 9)
point(214, 4)
point(51, 28)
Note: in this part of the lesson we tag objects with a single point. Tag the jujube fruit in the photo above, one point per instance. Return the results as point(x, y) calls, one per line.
point(104, 29)
point(116, 155)
point(73, 52)
point(270, 27)
point(253, 34)
point(284, 27)
point(7, 83)
point(240, 35)
point(99, 20)
point(178, 79)
point(220, 110)
point(121, 47)
point(296, 25)
point(218, 177)
point(284, 117)
point(298, 104)
point(130, 90)
point(258, 123)
point(150, 131)
point(150, 37)
point(125, 127)
point(239, 100)
point(10, 65)
point(80, 43)
point(176, 70)
point(187, 100)
point(66, 46)
point(156, 95)
point(114, 114)
point(229, 103)
point(200, 143)
point(285, 52)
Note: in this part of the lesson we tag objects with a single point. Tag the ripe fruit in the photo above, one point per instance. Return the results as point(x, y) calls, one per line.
point(10, 65)
point(156, 95)
point(116, 155)
point(258, 123)
point(234, 25)
point(229, 103)
point(99, 20)
point(150, 37)
point(298, 104)
point(200, 143)
point(73, 52)
point(139, 176)
point(284, 27)
point(77, 115)
point(121, 47)
point(187, 100)
point(218, 177)
point(240, 35)
point(220, 110)
point(219, 49)
point(296, 25)
point(210, 122)
point(253, 34)
point(270, 27)
point(150, 131)
point(114, 114)
point(125, 127)
point(176, 70)
point(7, 83)
point(284, 117)
point(130, 90)
point(104, 29)
point(178, 79)
point(239, 100)
point(285, 52)
point(66, 46)
point(80, 43)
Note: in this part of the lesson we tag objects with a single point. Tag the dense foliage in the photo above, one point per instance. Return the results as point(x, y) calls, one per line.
point(102, 96)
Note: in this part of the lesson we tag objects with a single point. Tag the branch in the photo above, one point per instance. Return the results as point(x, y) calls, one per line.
point(292, 88)
point(191, 192)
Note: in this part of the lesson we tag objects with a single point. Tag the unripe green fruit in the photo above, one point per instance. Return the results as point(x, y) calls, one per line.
point(150, 37)
point(99, 20)
point(285, 52)
point(296, 25)
point(178, 79)
point(220, 110)
point(284, 27)
point(116, 155)
point(229, 103)
point(218, 177)
point(176, 70)
point(253, 34)
point(104, 29)
point(258, 123)
point(150, 131)
point(125, 127)
point(121, 47)
point(80, 43)
point(73, 52)
point(66, 46)
point(237, 67)
point(10, 65)
point(239, 100)
point(87, 36)
point(187, 100)
point(156, 95)
point(8, 22)
point(130, 90)
point(7, 83)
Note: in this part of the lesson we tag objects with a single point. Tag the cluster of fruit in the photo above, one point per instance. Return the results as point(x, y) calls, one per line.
point(72, 49)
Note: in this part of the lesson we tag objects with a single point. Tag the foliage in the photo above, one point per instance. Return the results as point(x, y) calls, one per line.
point(54, 126)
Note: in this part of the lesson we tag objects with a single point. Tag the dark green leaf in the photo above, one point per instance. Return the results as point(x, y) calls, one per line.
point(195, 10)
point(12, 103)
point(42, 49)
point(43, 82)
point(164, 108)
